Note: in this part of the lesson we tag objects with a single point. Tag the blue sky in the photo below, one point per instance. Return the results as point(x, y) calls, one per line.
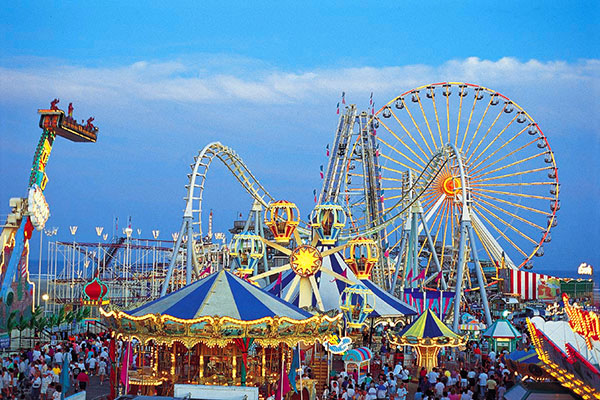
point(164, 78)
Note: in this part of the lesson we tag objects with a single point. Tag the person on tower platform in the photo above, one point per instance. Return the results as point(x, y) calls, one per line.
point(53, 104)
point(89, 125)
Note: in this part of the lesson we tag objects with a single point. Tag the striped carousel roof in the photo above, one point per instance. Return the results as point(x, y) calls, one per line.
point(387, 305)
point(221, 294)
point(358, 354)
point(330, 289)
point(502, 328)
point(428, 325)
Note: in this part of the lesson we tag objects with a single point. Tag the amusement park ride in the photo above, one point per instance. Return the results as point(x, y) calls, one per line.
point(436, 195)
point(452, 182)
point(32, 212)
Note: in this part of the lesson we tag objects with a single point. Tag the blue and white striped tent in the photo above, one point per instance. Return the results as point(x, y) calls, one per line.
point(330, 289)
point(221, 294)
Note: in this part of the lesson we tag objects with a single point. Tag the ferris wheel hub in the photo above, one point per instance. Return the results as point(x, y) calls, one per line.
point(306, 260)
point(451, 186)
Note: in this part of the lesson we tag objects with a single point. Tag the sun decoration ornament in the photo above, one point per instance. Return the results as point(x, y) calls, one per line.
point(306, 260)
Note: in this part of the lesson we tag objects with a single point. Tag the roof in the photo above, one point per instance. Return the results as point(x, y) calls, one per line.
point(522, 356)
point(359, 354)
point(502, 328)
point(221, 294)
point(386, 305)
point(331, 289)
point(428, 325)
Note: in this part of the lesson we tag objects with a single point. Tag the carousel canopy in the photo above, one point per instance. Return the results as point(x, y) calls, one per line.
point(221, 294)
point(428, 326)
point(217, 310)
point(502, 328)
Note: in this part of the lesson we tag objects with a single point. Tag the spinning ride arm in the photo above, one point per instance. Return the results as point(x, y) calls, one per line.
point(16, 291)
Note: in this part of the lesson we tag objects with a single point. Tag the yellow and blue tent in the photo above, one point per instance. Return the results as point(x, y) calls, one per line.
point(427, 326)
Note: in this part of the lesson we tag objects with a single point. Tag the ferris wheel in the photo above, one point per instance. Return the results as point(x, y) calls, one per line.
point(508, 185)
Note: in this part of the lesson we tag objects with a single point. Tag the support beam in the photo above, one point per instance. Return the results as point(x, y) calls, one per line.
point(399, 264)
point(459, 274)
point(479, 273)
point(433, 252)
point(163, 291)
point(189, 252)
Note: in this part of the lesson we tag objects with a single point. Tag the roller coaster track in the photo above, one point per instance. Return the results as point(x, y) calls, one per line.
point(192, 217)
point(236, 166)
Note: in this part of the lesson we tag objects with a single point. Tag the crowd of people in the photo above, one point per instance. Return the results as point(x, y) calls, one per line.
point(473, 373)
point(48, 369)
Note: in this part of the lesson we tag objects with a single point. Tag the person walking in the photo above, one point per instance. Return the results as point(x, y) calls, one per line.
point(36, 386)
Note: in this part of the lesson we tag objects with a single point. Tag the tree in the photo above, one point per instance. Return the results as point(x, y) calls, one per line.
point(21, 326)
point(36, 315)
point(11, 321)
point(69, 319)
point(41, 325)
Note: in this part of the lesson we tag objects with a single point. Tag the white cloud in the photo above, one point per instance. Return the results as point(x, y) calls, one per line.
point(192, 82)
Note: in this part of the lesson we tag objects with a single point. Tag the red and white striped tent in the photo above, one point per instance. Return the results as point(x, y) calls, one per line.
point(532, 286)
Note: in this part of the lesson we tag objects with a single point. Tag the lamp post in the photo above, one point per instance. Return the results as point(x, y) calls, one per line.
point(48, 232)
point(99, 230)
point(155, 233)
point(53, 271)
point(45, 298)
point(73, 229)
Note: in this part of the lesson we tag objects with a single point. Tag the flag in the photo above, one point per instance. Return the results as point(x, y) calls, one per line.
point(371, 99)
point(438, 277)
point(374, 132)
point(386, 254)
point(315, 194)
point(279, 282)
point(344, 274)
point(284, 384)
point(112, 380)
point(321, 172)
point(372, 109)
point(338, 109)
point(327, 150)
point(127, 361)
point(65, 381)
point(343, 97)
point(421, 275)
point(409, 276)
point(376, 153)
point(293, 369)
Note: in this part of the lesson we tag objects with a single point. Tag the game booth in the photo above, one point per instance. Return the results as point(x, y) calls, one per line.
point(358, 359)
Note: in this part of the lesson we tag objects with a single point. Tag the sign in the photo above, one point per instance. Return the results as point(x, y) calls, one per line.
point(5, 341)
point(585, 323)
point(37, 208)
point(548, 288)
point(337, 345)
point(585, 269)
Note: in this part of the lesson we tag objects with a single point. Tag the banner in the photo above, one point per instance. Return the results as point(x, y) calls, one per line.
point(4, 341)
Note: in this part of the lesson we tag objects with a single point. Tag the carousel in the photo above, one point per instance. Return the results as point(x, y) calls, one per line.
point(427, 334)
point(220, 330)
